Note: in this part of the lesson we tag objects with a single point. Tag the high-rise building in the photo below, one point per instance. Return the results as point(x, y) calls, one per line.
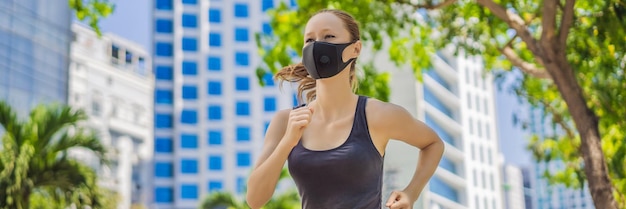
point(513, 187)
point(34, 46)
point(529, 191)
point(210, 111)
point(456, 99)
point(111, 80)
point(549, 196)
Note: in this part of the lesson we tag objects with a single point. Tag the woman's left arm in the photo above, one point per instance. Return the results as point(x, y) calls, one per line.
point(401, 125)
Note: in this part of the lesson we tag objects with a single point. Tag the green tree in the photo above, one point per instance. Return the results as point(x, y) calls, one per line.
point(92, 11)
point(34, 162)
point(572, 54)
point(224, 200)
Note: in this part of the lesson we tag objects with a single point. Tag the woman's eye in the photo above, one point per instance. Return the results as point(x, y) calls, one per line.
point(329, 36)
point(308, 40)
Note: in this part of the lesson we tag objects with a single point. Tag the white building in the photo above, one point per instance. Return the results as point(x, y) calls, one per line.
point(456, 99)
point(513, 187)
point(210, 112)
point(111, 79)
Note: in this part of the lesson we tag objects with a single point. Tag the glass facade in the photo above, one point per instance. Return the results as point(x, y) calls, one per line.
point(35, 39)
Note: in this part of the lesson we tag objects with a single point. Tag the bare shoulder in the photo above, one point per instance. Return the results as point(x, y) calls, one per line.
point(279, 121)
point(385, 112)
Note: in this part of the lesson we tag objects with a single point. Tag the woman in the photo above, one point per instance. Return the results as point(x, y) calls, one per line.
point(335, 145)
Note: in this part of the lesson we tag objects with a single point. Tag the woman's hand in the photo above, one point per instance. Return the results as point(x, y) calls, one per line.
point(399, 200)
point(299, 118)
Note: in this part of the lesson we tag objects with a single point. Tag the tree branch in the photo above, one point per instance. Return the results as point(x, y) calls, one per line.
point(558, 119)
point(526, 67)
point(514, 21)
point(427, 6)
point(566, 22)
point(548, 23)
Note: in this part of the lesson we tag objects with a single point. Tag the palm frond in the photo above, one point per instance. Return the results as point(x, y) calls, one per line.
point(9, 121)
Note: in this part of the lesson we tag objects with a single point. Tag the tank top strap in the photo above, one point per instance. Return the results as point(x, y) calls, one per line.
point(360, 120)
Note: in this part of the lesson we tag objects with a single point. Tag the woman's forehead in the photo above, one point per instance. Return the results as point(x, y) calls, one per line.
point(324, 22)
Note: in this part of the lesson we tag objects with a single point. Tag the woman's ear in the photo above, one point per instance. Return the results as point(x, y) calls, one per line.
point(357, 47)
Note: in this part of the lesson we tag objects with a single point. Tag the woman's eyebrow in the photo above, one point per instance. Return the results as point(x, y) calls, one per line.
point(323, 29)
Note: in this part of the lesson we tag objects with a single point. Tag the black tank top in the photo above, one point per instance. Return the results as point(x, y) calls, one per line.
point(345, 177)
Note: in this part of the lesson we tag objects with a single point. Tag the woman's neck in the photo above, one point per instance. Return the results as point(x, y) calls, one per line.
point(334, 99)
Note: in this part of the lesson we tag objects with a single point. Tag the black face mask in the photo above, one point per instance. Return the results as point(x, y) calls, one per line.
point(324, 60)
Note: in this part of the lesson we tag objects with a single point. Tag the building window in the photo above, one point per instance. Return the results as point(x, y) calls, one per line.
point(215, 88)
point(214, 63)
point(215, 163)
point(189, 21)
point(487, 131)
point(241, 34)
point(467, 76)
point(473, 151)
point(477, 100)
point(267, 28)
point(476, 77)
point(241, 10)
point(190, 92)
point(243, 159)
point(190, 44)
point(269, 104)
point(163, 121)
point(163, 73)
point(242, 108)
point(268, 78)
point(215, 39)
point(164, 26)
point(242, 58)
point(163, 170)
point(215, 16)
point(439, 187)
point(189, 166)
point(189, 191)
point(436, 103)
point(215, 186)
point(471, 126)
point(481, 153)
point(163, 96)
point(242, 83)
point(469, 100)
point(475, 174)
point(190, 68)
point(447, 164)
point(480, 128)
point(163, 195)
point(243, 133)
point(163, 145)
point(489, 158)
point(484, 178)
point(189, 141)
point(215, 112)
point(267, 125)
point(241, 185)
point(267, 4)
point(486, 106)
point(164, 49)
point(189, 117)
point(492, 184)
point(164, 4)
point(215, 137)
point(191, 2)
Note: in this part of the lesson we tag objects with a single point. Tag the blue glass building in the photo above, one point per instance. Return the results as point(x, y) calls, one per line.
point(35, 39)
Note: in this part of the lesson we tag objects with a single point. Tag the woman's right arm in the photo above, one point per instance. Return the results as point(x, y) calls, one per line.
point(282, 135)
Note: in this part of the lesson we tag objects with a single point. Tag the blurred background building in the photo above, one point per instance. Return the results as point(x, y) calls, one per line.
point(111, 79)
point(34, 52)
point(210, 112)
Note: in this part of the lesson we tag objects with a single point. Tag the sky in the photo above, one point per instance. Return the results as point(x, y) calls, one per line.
point(132, 20)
